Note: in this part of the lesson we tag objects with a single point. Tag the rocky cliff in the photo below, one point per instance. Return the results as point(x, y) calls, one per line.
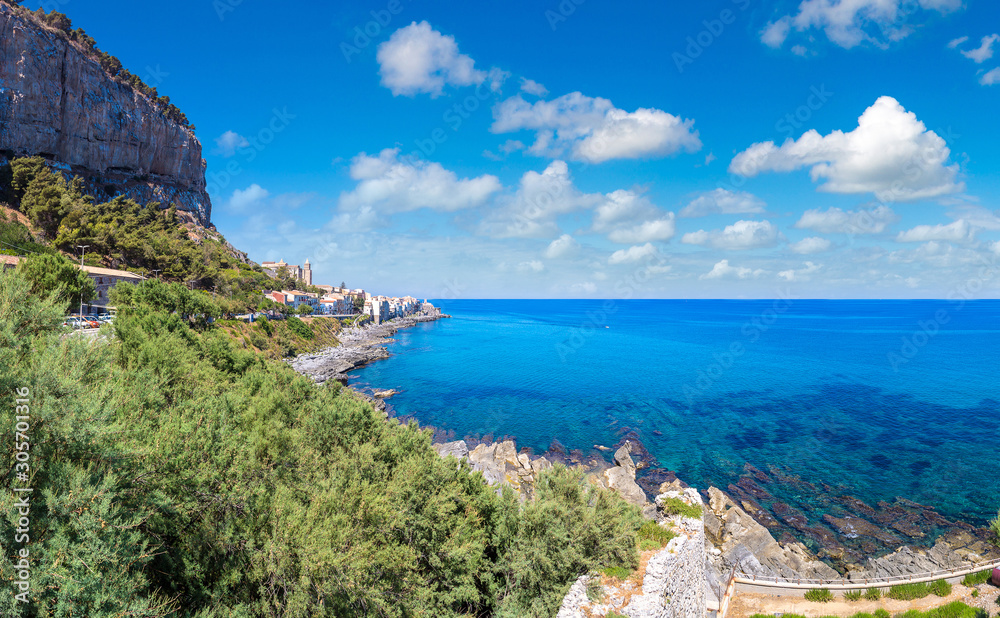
point(58, 103)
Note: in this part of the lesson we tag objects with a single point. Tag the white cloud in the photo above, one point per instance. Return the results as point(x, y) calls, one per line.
point(540, 199)
point(534, 266)
point(562, 247)
point(990, 77)
point(532, 87)
point(229, 142)
point(658, 230)
point(587, 287)
point(995, 247)
point(632, 254)
point(801, 274)
point(723, 201)
point(630, 218)
point(849, 23)
point(977, 216)
point(418, 59)
point(594, 130)
point(985, 50)
point(953, 232)
point(241, 201)
point(722, 270)
point(890, 154)
point(775, 33)
point(799, 50)
point(837, 221)
point(390, 184)
point(956, 42)
point(813, 244)
point(738, 236)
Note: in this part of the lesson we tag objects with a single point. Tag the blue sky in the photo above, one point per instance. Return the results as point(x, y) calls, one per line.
point(584, 148)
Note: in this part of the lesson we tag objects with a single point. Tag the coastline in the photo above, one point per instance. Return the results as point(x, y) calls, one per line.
point(884, 538)
point(359, 345)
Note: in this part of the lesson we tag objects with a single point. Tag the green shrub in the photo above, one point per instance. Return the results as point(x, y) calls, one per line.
point(975, 593)
point(853, 595)
point(908, 592)
point(820, 595)
point(995, 530)
point(264, 325)
point(654, 536)
point(882, 613)
point(595, 591)
point(940, 588)
point(676, 506)
point(613, 614)
point(299, 327)
point(974, 579)
point(873, 594)
point(616, 572)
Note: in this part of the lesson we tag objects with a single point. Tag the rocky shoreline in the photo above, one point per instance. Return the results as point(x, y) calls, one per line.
point(358, 346)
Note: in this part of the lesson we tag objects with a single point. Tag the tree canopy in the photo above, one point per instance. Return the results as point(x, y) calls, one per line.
point(180, 475)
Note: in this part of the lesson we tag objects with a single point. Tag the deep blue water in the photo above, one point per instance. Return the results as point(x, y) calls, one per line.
point(876, 399)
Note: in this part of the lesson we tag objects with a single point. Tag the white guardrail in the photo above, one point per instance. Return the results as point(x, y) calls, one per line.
point(745, 582)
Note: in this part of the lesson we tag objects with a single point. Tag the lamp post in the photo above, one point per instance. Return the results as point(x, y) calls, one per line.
point(83, 250)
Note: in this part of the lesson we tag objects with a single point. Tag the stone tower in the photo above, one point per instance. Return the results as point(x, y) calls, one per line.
point(307, 273)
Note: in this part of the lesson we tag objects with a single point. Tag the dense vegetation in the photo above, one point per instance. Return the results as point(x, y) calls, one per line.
point(122, 234)
point(176, 474)
point(111, 65)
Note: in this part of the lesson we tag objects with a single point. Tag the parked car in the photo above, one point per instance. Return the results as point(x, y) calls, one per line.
point(73, 322)
point(86, 321)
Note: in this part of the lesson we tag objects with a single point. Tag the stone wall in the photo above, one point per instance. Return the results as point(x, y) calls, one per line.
point(58, 103)
point(682, 569)
point(673, 582)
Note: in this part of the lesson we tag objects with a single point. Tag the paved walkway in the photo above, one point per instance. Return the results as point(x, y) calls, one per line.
point(745, 605)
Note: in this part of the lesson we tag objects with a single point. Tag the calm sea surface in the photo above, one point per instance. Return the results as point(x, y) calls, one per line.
point(876, 399)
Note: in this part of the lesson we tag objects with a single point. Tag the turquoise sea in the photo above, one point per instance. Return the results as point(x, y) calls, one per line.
point(876, 400)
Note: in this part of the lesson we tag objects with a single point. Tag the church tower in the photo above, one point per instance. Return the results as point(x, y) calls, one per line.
point(307, 273)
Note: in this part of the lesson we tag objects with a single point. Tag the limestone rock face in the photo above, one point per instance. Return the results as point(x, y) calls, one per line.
point(58, 103)
point(749, 546)
point(621, 478)
point(458, 449)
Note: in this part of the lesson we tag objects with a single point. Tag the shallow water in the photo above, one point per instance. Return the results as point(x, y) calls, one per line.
point(875, 399)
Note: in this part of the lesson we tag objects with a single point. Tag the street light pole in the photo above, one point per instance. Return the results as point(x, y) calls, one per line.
point(83, 250)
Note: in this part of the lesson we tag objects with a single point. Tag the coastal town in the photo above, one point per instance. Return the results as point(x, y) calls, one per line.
point(324, 300)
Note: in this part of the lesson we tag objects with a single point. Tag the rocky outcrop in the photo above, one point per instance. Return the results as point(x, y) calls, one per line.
point(58, 103)
point(739, 541)
point(621, 477)
point(499, 463)
point(953, 551)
